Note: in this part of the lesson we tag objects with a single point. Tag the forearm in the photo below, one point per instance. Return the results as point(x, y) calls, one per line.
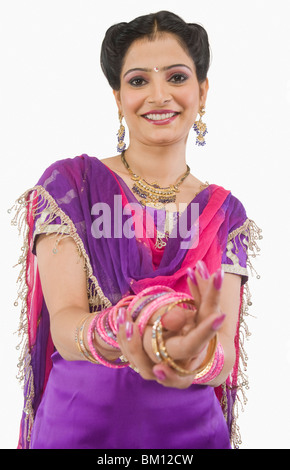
point(64, 326)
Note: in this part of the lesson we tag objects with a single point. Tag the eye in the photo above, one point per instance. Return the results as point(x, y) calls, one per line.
point(137, 81)
point(178, 78)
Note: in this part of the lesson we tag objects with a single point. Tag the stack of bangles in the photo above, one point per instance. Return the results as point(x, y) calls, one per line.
point(143, 306)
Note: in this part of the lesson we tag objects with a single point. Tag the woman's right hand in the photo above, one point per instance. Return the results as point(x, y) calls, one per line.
point(187, 336)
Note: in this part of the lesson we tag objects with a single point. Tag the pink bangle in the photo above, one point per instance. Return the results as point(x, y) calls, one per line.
point(158, 303)
point(213, 369)
point(104, 333)
point(112, 318)
point(117, 364)
point(149, 290)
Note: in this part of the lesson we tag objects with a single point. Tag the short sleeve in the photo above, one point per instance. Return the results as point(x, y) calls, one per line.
point(235, 256)
point(46, 222)
point(241, 243)
point(53, 192)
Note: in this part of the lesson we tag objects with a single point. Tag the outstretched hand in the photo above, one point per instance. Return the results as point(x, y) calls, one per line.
point(186, 334)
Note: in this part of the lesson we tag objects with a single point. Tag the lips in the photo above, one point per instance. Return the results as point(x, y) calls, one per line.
point(160, 117)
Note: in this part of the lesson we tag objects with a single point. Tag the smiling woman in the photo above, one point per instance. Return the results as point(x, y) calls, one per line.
point(133, 338)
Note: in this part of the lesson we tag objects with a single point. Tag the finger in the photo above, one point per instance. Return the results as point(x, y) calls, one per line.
point(193, 286)
point(190, 345)
point(177, 318)
point(130, 343)
point(166, 376)
point(211, 295)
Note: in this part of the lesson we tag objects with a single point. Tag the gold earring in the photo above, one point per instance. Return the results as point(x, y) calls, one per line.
point(200, 128)
point(121, 135)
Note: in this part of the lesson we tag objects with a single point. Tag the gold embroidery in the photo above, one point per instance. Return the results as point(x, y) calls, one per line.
point(236, 269)
point(41, 227)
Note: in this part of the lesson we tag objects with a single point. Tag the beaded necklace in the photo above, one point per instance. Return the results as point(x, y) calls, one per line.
point(152, 193)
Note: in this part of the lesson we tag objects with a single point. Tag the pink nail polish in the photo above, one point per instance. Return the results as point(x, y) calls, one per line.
point(217, 323)
point(129, 330)
point(191, 275)
point(218, 279)
point(159, 374)
point(121, 316)
point(202, 269)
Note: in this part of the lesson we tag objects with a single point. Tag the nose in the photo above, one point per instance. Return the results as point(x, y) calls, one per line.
point(159, 93)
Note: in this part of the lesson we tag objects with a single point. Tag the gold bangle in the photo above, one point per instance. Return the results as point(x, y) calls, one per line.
point(180, 301)
point(163, 354)
point(160, 351)
point(208, 361)
point(156, 327)
point(79, 338)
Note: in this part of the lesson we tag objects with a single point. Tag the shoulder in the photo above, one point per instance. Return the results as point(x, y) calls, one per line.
point(236, 212)
point(71, 169)
point(233, 206)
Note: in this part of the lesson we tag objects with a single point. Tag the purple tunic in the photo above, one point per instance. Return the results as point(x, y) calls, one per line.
point(93, 407)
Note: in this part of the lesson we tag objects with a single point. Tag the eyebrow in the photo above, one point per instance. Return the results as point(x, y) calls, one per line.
point(163, 69)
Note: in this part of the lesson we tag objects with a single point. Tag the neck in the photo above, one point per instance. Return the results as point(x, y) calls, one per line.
point(162, 164)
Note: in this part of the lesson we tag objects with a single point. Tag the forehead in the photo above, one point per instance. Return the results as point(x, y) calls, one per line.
point(164, 50)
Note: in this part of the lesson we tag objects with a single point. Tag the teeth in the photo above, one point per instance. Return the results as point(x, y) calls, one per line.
point(159, 117)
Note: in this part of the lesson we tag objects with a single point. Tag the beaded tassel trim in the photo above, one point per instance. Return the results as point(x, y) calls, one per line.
point(252, 233)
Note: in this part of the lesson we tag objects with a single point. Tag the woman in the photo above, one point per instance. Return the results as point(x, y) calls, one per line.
point(160, 370)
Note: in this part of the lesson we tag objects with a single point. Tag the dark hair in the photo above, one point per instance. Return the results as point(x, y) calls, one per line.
point(119, 37)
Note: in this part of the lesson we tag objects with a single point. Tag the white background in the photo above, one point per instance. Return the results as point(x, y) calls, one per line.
point(55, 103)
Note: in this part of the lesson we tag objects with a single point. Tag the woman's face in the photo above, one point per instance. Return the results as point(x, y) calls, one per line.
point(159, 94)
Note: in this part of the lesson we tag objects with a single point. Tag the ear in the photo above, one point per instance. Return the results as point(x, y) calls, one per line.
point(203, 89)
point(117, 96)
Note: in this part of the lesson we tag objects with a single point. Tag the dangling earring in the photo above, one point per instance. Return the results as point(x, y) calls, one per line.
point(121, 134)
point(200, 128)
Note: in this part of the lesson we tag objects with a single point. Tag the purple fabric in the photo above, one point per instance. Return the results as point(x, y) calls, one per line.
point(89, 406)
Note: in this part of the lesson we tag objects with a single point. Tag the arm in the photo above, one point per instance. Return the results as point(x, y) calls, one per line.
point(230, 305)
point(64, 286)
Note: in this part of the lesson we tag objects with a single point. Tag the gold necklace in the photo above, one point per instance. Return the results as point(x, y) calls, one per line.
point(152, 193)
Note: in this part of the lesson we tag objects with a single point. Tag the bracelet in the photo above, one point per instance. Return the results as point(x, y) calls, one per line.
point(103, 329)
point(211, 365)
point(80, 341)
point(213, 369)
point(159, 348)
point(117, 364)
point(156, 329)
point(112, 317)
point(160, 302)
point(148, 290)
point(143, 304)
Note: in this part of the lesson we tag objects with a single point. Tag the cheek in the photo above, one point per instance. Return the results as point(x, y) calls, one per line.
point(189, 99)
point(131, 101)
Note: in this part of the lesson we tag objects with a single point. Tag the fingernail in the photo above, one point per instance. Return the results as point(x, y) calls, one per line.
point(217, 323)
point(191, 275)
point(129, 330)
point(218, 279)
point(121, 316)
point(159, 374)
point(202, 269)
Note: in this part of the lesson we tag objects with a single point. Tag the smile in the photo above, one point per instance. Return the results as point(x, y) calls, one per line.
point(160, 118)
